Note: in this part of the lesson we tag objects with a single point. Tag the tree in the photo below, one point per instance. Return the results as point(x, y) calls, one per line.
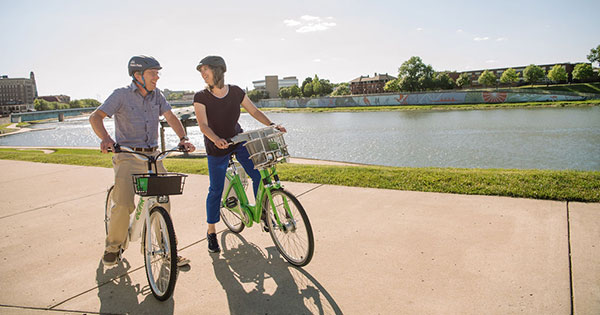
point(341, 89)
point(316, 86)
point(444, 81)
point(295, 91)
point(583, 71)
point(89, 102)
point(509, 76)
point(594, 55)
point(487, 78)
point(256, 95)
point(307, 91)
point(284, 92)
point(414, 75)
point(464, 79)
point(40, 105)
point(558, 74)
point(305, 82)
point(533, 74)
point(326, 87)
point(391, 86)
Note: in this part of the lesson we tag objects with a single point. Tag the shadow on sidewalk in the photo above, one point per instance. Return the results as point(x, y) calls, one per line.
point(119, 296)
point(258, 282)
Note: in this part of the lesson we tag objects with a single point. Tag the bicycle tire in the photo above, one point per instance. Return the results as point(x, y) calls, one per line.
point(295, 240)
point(108, 207)
point(232, 220)
point(160, 261)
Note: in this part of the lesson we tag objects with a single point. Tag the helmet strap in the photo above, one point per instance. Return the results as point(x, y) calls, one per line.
point(143, 83)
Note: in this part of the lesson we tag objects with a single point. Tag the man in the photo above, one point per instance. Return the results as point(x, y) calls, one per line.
point(136, 109)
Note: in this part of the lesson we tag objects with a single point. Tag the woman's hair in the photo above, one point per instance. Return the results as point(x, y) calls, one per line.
point(218, 77)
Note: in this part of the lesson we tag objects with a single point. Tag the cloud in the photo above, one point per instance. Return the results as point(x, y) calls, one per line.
point(501, 39)
point(291, 22)
point(460, 31)
point(491, 61)
point(310, 18)
point(309, 23)
point(477, 39)
point(419, 29)
point(237, 39)
point(317, 60)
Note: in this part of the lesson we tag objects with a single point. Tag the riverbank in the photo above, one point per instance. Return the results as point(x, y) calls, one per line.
point(483, 106)
point(536, 184)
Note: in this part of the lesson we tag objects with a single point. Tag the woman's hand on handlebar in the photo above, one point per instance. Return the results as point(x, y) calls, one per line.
point(221, 143)
point(280, 128)
point(107, 145)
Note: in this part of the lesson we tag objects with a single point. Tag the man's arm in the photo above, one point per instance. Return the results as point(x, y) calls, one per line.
point(175, 123)
point(97, 122)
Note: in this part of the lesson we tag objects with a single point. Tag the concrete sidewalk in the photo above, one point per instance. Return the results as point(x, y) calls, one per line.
point(377, 252)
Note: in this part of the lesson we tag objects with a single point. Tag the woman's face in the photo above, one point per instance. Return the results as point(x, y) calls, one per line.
point(207, 74)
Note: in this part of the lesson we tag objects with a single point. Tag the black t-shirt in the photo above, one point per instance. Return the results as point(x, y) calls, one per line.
point(222, 114)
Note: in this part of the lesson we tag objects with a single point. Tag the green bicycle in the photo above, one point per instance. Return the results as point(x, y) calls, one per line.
point(281, 213)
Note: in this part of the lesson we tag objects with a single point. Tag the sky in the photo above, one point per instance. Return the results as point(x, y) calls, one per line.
point(81, 48)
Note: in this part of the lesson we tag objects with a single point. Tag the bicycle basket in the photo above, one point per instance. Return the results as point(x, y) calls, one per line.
point(266, 147)
point(158, 184)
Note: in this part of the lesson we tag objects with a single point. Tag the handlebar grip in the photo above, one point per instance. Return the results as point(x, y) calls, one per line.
point(117, 148)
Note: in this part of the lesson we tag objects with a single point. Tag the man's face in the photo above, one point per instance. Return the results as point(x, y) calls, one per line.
point(151, 76)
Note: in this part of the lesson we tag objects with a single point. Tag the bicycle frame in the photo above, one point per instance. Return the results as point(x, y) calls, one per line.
point(142, 210)
point(269, 182)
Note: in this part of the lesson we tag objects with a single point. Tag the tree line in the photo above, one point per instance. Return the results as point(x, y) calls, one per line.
point(414, 76)
point(41, 104)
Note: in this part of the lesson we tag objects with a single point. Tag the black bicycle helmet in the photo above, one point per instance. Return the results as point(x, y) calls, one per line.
point(215, 61)
point(142, 63)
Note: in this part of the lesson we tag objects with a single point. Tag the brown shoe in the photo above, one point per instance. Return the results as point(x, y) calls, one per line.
point(182, 261)
point(110, 259)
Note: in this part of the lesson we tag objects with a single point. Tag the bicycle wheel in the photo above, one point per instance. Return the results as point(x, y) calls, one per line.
point(294, 238)
point(233, 216)
point(160, 254)
point(107, 207)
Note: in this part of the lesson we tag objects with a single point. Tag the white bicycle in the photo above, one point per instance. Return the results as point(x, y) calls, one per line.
point(152, 221)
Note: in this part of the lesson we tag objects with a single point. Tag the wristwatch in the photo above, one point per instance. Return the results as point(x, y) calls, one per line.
point(184, 138)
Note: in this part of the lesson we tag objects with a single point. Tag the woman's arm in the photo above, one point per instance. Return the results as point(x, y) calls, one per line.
point(205, 129)
point(257, 113)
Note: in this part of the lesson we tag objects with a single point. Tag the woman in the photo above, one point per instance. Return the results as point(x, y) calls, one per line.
point(217, 111)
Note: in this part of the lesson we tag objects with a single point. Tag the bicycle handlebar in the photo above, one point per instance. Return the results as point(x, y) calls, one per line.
point(144, 157)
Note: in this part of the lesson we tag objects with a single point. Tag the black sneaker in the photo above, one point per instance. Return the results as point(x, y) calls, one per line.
point(213, 244)
point(109, 259)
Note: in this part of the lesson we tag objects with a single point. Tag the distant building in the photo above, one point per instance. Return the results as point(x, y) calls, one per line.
point(271, 84)
point(17, 94)
point(368, 85)
point(474, 74)
point(56, 98)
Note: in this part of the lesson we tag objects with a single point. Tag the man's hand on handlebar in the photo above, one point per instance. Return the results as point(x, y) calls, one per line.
point(185, 146)
point(107, 145)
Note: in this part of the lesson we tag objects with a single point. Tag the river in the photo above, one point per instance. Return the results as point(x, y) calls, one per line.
point(536, 138)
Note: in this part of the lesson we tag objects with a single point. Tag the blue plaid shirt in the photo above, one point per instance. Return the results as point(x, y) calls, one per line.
point(136, 117)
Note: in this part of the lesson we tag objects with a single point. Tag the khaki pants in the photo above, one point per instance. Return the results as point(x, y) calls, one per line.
point(125, 165)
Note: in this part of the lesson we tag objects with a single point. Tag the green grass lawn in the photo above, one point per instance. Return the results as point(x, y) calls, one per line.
point(593, 88)
point(537, 184)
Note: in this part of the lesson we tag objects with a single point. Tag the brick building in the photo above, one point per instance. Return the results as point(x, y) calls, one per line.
point(368, 85)
point(17, 94)
point(56, 98)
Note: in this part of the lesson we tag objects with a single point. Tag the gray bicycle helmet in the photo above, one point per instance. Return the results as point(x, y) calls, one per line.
point(142, 63)
point(215, 61)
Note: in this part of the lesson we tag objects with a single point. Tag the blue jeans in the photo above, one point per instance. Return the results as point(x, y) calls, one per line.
point(217, 167)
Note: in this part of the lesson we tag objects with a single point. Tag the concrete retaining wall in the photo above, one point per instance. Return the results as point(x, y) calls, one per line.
point(432, 98)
